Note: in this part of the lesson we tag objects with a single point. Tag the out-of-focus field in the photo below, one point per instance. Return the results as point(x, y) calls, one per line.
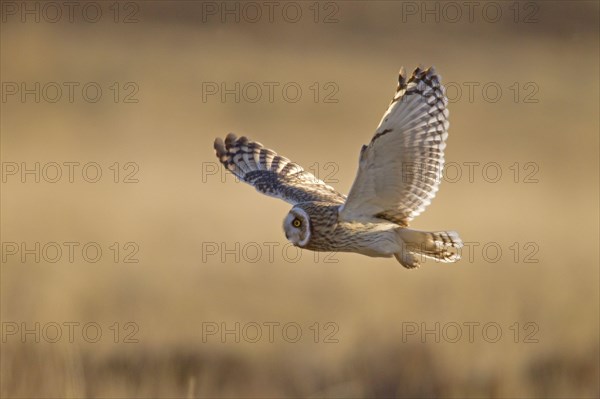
point(541, 294)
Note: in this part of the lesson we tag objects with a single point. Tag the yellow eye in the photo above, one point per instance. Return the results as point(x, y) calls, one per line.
point(296, 222)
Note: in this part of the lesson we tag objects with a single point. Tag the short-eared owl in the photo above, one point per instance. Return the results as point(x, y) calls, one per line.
point(399, 173)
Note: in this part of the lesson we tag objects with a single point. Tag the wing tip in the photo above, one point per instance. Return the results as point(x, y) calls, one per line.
point(402, 78)
point(219, 147)
point(422, 73)
point(223, 149)
point(230, 140)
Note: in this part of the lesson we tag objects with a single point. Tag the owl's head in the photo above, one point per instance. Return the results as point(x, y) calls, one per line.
point(297, 227)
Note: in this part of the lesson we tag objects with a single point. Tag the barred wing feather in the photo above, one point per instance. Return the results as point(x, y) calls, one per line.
point(400, 170)
point(272, 174)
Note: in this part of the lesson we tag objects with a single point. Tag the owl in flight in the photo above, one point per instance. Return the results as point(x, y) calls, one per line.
point(399, 173)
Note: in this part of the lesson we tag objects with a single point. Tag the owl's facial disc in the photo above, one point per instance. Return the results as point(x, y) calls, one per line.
point(297, 227)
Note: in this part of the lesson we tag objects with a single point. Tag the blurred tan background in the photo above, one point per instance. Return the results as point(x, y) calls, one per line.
point(202, 241)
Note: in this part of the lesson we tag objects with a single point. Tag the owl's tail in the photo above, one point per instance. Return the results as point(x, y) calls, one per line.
point(441, 246)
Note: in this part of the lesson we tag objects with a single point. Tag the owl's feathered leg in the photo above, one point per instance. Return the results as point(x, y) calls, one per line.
point(439, 245)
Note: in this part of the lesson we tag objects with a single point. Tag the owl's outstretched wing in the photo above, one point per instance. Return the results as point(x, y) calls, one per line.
point(400, 170)
point(272, 174)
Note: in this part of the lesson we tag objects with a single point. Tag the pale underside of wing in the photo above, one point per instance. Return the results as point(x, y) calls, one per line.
point(272, 174)
point(400, 170)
